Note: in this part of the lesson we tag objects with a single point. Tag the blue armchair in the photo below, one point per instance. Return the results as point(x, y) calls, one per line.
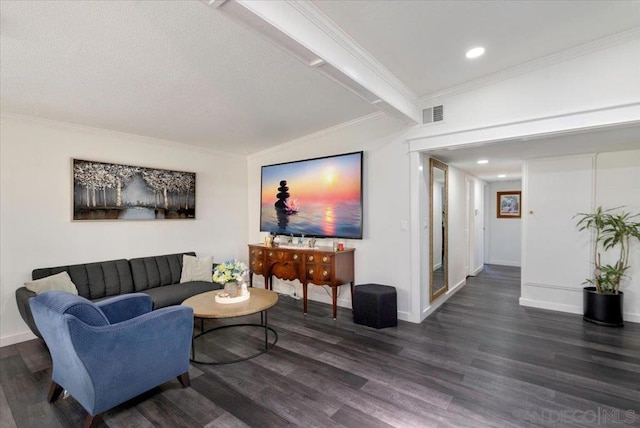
point(108, 352)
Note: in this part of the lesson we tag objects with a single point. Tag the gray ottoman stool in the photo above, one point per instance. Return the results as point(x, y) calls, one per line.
point(375, 305)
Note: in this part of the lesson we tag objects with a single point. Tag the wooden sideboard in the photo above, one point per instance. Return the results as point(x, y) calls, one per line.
point(308, 265)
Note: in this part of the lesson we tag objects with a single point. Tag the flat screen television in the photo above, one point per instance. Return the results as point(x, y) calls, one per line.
point(319, 197)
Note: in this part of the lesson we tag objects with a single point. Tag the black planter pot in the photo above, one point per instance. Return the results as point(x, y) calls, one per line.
point(602, 309)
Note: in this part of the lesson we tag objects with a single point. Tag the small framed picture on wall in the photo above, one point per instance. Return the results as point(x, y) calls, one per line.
point(509, 204)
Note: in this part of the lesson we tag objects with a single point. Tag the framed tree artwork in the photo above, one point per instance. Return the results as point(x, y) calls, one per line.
point(509, 204)
point(110, 191)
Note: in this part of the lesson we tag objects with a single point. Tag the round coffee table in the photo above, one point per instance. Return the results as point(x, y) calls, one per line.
point(205, 307)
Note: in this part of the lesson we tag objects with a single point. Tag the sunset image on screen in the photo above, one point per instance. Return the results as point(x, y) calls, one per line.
point(318, 197)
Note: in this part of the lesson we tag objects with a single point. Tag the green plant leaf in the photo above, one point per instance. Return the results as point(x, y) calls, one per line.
point(613, 229)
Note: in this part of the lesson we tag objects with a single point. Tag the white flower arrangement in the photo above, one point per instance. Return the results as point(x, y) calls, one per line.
point(231, 270)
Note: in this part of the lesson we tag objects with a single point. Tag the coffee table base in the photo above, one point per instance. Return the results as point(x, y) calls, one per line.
point(267, 344)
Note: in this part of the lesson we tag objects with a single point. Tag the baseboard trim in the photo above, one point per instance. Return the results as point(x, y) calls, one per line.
point(404, 316)
point(478, 270)
point(571, 309)
point(634, 318)
point(504, 263)
point(539, 304)
point(431, 308)
point(16, 338)
point(553, 286)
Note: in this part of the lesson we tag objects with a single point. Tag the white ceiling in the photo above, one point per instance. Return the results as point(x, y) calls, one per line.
point(186, 72)
point(173, 70)
point(507, 157)
point(424, 42)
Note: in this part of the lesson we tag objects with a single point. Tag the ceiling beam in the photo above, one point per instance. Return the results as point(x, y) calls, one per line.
point(302, 30)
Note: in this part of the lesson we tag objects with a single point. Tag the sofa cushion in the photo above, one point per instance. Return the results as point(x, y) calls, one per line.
point(196, 269)
point(95, 280)
point(60, 282)
point(177, 293)
point(156, 271)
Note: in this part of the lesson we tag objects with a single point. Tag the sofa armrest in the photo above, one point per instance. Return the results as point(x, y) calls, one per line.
point(126, 306)
point(22, 299)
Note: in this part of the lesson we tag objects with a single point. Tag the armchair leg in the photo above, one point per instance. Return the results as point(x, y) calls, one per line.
point(54, 392)
point(92, 421)
point(184, 380)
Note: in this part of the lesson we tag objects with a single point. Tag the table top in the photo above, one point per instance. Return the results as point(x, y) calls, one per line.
point(205, 306)
point(290, 247)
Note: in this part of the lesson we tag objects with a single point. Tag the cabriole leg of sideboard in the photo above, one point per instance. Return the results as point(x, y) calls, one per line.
point(304, 296)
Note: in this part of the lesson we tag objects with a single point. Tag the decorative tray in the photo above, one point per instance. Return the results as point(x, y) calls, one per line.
point(225, 299)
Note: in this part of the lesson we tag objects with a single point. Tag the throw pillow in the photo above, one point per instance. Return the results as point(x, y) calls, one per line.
point(60, 281)
point(196, 269)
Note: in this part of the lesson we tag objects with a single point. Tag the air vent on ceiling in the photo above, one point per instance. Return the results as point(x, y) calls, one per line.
point(433, 114)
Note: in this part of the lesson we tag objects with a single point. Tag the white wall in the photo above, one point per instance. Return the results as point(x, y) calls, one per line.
point(505, 239)
point(35, 214)
point(618, 185)
point(557, 257)
point(420, 244)
point(479, 213)
point(382, 256)
point(458, 246)
point(580, 89)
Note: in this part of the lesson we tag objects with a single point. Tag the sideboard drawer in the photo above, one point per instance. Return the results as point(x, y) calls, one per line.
point(275, 255)
point(257, 266)
point(256, 252)
point(319, 272)
point(325, 258)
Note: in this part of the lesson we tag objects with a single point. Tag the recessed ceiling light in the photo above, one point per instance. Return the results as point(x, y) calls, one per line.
point(483, 161)
point(475, 52)
point(502, 175)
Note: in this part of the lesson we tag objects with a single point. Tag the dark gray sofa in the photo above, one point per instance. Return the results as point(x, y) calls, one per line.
point(157, 276)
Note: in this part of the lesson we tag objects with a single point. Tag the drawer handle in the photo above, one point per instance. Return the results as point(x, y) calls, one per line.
point(325, 273)
point(310, 271)
point(310, 258)
point(295, 257)
point(271, 254)
point(260, 264)
point(325, 259)
point(259, 253)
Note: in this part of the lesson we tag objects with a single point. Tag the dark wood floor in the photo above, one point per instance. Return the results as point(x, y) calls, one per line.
point(480, 360)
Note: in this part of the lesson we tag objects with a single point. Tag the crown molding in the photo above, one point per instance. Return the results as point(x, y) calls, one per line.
point(537, 64)
point(326, 25)
point(139, 138)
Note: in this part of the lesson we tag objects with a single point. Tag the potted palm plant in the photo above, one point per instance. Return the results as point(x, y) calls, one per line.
point(613, 230)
